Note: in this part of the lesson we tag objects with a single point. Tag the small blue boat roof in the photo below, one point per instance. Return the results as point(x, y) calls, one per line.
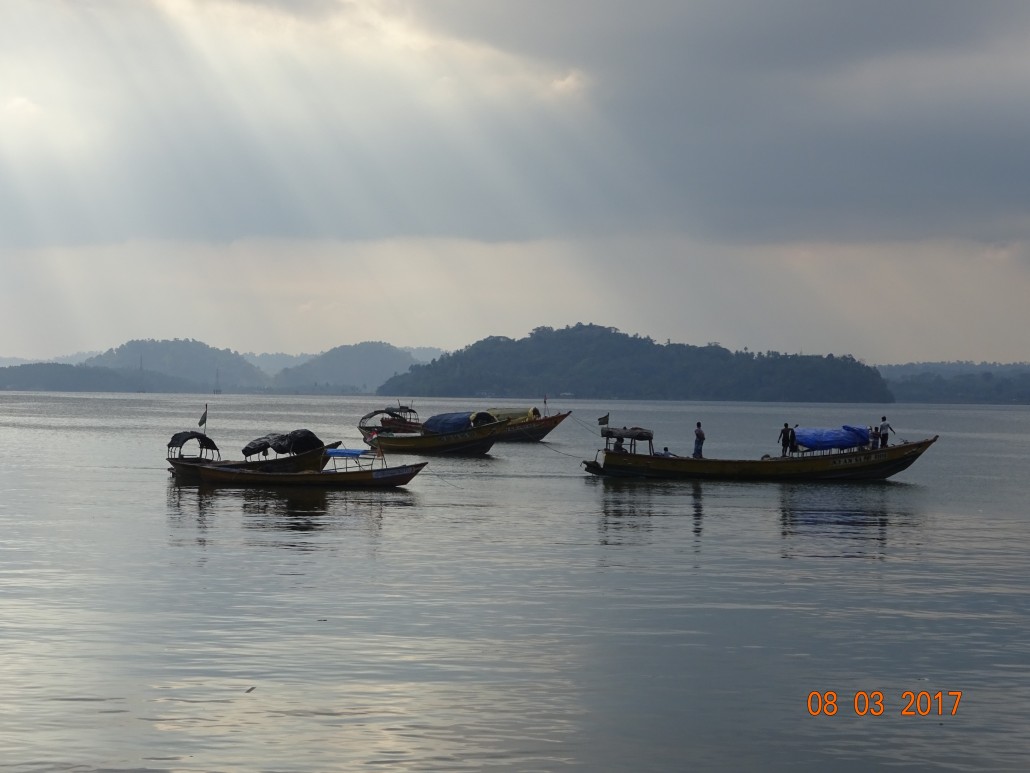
point(347, 452)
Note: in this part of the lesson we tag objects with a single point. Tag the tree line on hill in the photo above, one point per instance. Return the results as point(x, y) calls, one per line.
point(185, 365)
point(591, 361)
point(985, 384)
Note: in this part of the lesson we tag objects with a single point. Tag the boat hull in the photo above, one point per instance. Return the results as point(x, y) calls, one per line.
point(187, 468)
point(382, 477)
point(857, 465)
point(531, 431)
point(475, 441)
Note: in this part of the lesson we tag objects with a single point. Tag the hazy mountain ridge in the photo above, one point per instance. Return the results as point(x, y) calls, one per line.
point(65, 359)
point(988, 383)
point(526, 368)
point(364, 366)
point(954, 368)
point(272, 363)
point(187, 359)
point(187, 365)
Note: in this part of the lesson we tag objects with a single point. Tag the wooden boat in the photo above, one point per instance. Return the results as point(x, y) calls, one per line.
point(403, 418)
point(295, 451)
point(527, 426)
point(639, 460)
point(351, 468)
point(460, 434)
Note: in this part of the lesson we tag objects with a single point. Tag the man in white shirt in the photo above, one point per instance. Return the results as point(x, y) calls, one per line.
point(885, 428)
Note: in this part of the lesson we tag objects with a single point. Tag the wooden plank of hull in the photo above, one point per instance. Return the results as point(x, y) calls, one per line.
point(470, 442)
point(854, 465)
point(531, 431)
point(187, 469)
point(382, 477)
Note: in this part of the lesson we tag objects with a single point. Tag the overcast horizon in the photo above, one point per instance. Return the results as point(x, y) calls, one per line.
point(273, 176)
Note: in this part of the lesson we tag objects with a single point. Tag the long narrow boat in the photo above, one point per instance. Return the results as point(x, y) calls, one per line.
point(296, 451)
point(639, 460)
point(352, 468)
point(457, 434)
point(527, 426)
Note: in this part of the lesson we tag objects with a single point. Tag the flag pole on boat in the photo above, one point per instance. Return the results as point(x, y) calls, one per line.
point(203, 419)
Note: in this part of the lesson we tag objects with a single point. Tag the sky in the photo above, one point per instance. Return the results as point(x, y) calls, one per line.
point(293, 175)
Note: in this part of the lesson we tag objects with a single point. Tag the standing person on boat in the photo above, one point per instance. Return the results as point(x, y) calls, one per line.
point(785, 434)
point(885, 430)
point(699, 440)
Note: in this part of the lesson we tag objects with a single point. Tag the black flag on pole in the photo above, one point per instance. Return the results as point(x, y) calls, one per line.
point(603, 421)
point(203, 417)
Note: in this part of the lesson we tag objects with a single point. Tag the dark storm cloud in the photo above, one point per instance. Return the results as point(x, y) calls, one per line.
point(752, 126)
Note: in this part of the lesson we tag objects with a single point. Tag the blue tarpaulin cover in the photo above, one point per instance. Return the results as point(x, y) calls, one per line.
point(821, 439)
point(455, 422)
point(447, 422)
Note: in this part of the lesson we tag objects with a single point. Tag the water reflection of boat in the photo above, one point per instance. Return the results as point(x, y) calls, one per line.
point(846, 521)
point(295, 451)
point(629, 511)
point(288, 516)
point(629, 453)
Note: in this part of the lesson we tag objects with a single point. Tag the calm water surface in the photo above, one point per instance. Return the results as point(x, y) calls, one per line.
point(507, 613)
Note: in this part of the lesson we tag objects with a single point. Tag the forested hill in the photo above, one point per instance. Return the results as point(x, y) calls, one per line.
point(185, 365)
point(591, 361)
point(186, 359)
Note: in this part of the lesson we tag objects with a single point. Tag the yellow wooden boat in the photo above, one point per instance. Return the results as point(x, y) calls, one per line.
point(638, 459)
point(527, 426)
point(467, 433)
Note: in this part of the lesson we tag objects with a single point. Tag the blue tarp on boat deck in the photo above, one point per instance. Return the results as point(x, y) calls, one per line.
point(455, 422)
point(823, 439)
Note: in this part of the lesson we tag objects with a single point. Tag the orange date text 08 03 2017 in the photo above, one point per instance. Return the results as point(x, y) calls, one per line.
point(874, 704)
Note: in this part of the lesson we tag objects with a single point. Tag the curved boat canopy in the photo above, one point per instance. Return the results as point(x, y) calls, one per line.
point(179, 439)
point(296, 442)
point(380, 412)
point(627, 433)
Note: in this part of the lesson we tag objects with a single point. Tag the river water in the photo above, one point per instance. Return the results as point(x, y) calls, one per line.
point(509, 613)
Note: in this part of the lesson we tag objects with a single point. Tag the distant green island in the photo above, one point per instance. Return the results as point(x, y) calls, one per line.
point(579, 361)
point(595, 362)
